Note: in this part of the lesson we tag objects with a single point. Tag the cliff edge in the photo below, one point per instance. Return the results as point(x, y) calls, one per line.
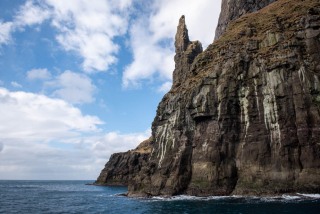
point(234, 9)
point(243, 116)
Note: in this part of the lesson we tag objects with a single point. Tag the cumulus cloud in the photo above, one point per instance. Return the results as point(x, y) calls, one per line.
point(47, 138)
point(72, 87)
point(86, 28)
point(152, 35)
point(30, 14)
point(33, 116)
point(5, 32)
point(89, 27)
point(149, 57)
point(27, 15)
point(38, 74)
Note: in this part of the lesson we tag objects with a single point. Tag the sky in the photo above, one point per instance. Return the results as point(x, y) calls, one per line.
point(80, 79)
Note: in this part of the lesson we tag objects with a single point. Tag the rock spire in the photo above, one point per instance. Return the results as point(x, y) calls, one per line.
point(182, 38)
point(186, 52)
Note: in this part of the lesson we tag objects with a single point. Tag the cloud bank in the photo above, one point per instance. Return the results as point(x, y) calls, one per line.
point(46, 138)
point(33, 116)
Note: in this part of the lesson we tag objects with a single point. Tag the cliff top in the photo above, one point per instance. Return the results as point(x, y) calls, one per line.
point(233, 9)
point(244, 30)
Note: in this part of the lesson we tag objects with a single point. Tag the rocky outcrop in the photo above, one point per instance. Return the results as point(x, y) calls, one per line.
point(122, 166)
point(233, 9)
point(186, 52)
point(243, 116)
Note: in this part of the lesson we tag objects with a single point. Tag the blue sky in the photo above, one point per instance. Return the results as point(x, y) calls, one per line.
point(80, 80)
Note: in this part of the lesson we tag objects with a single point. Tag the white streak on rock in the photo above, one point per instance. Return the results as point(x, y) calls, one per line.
point(271, 116)
point(244, 103)
point(257, 97)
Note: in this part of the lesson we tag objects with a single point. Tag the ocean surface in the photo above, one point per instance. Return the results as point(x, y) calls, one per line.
point(76, 197)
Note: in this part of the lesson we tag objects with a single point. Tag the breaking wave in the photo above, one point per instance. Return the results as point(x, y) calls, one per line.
point(280, 198)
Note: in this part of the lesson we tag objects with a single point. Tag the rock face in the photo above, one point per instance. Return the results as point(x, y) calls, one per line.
point(233, 9)
point(122, 166)
point(243, 116)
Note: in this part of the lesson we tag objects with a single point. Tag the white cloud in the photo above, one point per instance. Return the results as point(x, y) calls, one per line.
point(149, 57)
point(80, 158)
point(39, 73)
point(45, 138)
point(16, 85)
point(37, 117)
point(89, 27)
point(165, 87)
point(31, 14)
point(152, 35)
point(113, 142)
point(201, 18)
point(5, 32)
point(27, 15)
point(73, 87)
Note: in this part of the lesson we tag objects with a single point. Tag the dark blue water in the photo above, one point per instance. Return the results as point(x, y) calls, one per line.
point(76, 197)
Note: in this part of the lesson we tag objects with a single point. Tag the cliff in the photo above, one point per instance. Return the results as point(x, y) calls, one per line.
point(243, 116)
point(233, 9)
point(122, 166)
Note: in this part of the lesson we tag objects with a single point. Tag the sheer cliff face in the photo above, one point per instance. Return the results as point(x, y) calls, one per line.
point(233, 9)
point(243, 116)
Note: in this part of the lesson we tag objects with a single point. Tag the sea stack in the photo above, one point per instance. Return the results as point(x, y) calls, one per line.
point(243, 116)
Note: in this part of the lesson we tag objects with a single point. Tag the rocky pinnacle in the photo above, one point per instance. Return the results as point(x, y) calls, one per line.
point(182, 38)
point(186, 52)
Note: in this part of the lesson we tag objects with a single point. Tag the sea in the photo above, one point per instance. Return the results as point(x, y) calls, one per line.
point(77, 197)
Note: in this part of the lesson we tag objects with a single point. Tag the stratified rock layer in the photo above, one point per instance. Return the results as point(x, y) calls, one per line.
point(242, 117)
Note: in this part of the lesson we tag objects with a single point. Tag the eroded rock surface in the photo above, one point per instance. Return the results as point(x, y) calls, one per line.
point(122, 166)
point(233, 9)
point(243, 116)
